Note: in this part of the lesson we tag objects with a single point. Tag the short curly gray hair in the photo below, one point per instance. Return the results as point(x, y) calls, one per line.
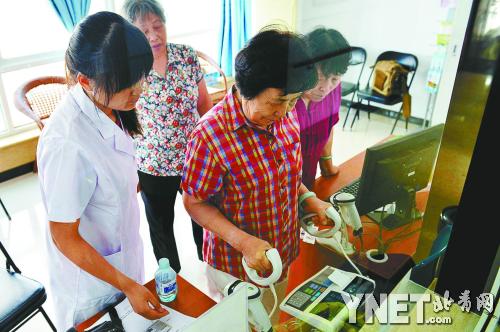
point(134, 9)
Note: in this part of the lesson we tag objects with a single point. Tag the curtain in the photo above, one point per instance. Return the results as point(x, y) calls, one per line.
point(71, 11)
point(234, 33)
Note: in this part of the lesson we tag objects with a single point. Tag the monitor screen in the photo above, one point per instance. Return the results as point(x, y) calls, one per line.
point(394, 171)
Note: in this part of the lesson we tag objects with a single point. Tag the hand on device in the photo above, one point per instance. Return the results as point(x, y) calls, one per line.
point(254, 252)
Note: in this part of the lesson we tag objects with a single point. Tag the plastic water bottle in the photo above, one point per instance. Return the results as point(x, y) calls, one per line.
point(166, 281)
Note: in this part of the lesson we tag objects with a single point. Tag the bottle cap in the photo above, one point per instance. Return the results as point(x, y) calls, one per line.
point(164, 263)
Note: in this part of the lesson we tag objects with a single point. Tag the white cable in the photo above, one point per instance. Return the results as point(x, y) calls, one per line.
point(347, 257)
point(341, 247)
point(273, 290)
point(344, 253)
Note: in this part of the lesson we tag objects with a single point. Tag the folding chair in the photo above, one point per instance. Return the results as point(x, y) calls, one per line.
point(21, 299)
point(358, 57)
point(410, 62)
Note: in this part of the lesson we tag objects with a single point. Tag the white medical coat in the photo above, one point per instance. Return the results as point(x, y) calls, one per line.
point(87, 170)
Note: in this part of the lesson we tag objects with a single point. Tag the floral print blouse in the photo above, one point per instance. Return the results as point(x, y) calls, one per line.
point(168, 114)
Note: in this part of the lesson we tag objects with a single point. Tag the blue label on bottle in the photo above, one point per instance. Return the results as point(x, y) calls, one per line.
point(169, 287)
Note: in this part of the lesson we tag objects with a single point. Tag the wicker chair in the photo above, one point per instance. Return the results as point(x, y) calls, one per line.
point(206, 60)
point(38, 98)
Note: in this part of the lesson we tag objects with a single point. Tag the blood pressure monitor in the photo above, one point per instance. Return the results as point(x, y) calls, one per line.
point(318, 301)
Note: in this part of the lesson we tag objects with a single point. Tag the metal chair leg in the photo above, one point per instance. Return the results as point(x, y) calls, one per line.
point(348, 110)
point(354, 119)
point(359, 103)
point(397, 119)
point(5, 210)
point(357, 113)
point(48, 319)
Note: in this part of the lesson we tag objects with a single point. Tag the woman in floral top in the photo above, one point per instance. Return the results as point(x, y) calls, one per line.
point(173, 99)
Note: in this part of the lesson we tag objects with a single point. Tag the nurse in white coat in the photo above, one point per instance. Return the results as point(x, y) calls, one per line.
point(88, 174)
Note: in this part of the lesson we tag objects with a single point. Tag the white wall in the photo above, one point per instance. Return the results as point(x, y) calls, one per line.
point(265, 12)
point(380, 25)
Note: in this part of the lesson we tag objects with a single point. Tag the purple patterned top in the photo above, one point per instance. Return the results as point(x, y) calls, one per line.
point(315, 126)
point(167, 111)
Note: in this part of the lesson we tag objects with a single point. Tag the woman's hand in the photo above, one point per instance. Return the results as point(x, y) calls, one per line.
point(327, 168)
point(254, 253)
point(143, 301)
point(210, 218)
point(315, 205)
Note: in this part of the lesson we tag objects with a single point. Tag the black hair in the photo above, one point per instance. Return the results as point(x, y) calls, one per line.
point(322, 43)
point(268, 61)
point(114, 54)
point(135, 9)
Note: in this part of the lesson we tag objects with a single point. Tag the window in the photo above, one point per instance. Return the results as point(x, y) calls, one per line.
point(192, 22)
point(36, 44)
point(34, 48)
point(34, 28)
point(2, 121)
point(197, 28)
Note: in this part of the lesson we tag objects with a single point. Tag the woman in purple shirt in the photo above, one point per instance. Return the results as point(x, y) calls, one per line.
point(318, 109)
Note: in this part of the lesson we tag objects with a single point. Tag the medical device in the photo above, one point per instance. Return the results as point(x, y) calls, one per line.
point(337, 237)
point(257, 315)
point(321, 300)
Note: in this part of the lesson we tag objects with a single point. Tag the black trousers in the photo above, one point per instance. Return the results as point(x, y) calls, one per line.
point(159, 194)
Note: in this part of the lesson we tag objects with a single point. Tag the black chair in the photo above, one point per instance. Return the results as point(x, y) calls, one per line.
point(358, 57)
point(21, 298)
point(410, 62)
point(5, 210)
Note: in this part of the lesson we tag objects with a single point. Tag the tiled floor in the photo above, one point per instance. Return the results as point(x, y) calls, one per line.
point(24, 236)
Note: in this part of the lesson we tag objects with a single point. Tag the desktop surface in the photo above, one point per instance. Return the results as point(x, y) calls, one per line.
point(230, 315)
point(189, 301)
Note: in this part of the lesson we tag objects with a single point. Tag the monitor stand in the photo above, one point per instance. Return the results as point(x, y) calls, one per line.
point(406, 211)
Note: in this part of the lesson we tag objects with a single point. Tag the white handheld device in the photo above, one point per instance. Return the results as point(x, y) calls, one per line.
point(275, 259)
point(333, 238)
point(348, 210)
point(337, 237)
point(257, 313)
point(310, 228)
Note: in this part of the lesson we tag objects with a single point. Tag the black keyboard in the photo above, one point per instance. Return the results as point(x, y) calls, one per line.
point(352, 188)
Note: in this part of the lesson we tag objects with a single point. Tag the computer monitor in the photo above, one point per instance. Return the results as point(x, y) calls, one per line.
point(393, 172)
